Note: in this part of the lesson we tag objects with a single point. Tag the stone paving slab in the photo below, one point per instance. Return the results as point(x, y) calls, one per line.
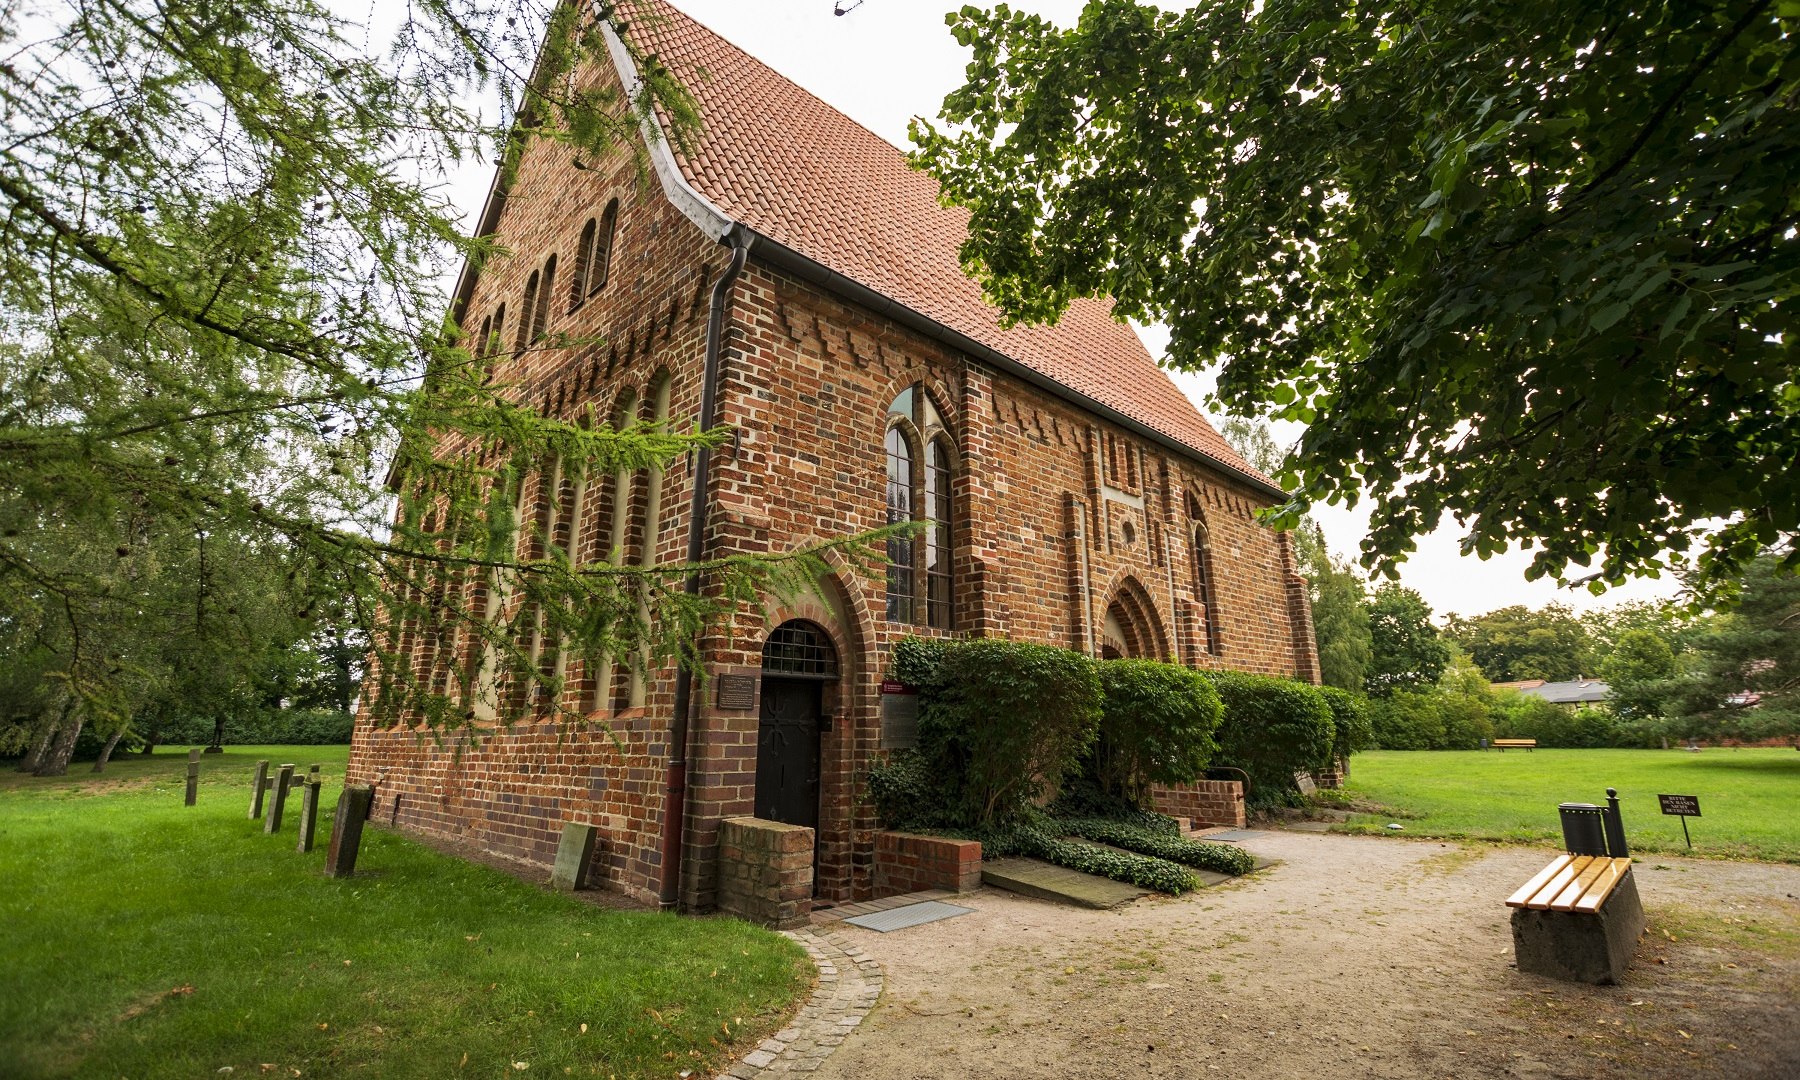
point(1046, 881)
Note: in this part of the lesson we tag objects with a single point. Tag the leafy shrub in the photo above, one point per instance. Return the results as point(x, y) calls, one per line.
point(1219, 858)
point(1350, 725)
point(998, 720)
point(1156, 727)
point(1082, 797)
point(907, 795)
point(1272, 729)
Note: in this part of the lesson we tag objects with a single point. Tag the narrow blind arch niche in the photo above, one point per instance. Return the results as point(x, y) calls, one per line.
point(1205, 590)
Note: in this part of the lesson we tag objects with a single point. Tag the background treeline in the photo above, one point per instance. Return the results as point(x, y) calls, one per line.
point(1672, 672)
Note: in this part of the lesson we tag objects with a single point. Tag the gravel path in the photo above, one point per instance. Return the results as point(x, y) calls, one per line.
point(1356, 956)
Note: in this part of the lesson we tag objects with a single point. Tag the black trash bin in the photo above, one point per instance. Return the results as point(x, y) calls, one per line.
point(1584, 828)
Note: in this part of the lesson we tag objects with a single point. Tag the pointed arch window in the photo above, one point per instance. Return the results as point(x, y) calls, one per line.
point(920, 488)
point(900, 585)
point(584, 257)
point(540, 316)
point(526, 307)
point(603, 247)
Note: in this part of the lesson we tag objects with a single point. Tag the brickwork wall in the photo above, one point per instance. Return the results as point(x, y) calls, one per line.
point(1204, 802)
point(765, 872)
point(1069, 531)
point(909, 863)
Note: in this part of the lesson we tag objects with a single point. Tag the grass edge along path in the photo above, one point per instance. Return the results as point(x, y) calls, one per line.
point(1747, 797)
point(148, 939)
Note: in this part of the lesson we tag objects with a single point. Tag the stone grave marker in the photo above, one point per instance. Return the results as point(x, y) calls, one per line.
point(309, 811)
point(257, 787)
point(278, 800)
point(193, 777)
point(572, 854)
point(346, 829)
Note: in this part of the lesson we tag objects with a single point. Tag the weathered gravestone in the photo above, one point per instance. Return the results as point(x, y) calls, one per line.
point(278, 800)
point(309, 811)
point(257, 787)
point(572, 854)
point(346, 829)
point(193, 777)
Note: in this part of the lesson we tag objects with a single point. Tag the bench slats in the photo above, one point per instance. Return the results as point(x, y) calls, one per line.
point(1565, 900)
point(1603, 885)
point(1554, 887)
point(1530, 888)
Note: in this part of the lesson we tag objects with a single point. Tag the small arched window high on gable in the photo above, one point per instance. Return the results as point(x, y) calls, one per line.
point(584, 257)
point(920, 488)
point(1206, 593)
point(603, 247)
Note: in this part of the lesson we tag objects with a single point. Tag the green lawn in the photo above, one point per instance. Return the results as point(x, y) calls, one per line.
point(143, 938)
point(1750, 799)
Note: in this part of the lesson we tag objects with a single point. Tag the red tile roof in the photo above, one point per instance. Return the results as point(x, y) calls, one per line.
point(789, 166)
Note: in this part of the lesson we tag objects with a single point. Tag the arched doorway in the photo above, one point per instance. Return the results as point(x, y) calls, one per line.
point(797, 661)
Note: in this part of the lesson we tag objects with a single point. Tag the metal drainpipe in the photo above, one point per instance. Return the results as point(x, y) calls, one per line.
point(675, 793)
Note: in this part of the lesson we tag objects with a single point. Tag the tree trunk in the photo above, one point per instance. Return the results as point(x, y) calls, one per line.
point(35, 756)
point(152, 738)
point(56, 759)
point(106, 751)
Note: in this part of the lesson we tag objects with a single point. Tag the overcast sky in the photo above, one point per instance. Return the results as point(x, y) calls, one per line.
point(890, 60)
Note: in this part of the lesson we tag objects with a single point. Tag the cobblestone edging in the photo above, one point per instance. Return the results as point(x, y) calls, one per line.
point(849, 984)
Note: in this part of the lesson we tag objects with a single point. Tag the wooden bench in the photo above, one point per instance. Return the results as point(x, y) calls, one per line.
point(1571, 883)
point(1577, 919)
point(1503, 745)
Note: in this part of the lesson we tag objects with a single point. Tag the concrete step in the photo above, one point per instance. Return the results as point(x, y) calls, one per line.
point(1046, 881)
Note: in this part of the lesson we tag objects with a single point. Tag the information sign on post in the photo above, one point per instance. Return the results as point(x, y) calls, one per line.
point(1684, 807)
point(899, 715)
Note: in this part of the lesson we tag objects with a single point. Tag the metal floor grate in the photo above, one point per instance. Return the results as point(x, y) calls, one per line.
point(911, 915)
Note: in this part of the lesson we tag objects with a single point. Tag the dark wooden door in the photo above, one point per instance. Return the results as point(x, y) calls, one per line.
point(787, 752)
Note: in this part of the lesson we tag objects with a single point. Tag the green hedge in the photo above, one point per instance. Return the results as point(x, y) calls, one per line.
point(1219, 858)
point(289, 727)
point(1272, 729)
point(1352, 729)
point(999, 721)
point(1156, 727)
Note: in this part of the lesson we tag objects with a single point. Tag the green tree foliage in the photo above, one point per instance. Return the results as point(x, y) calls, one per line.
point(221, 285)
point(1000, 722)
point(1272, 729)
point(1406, 651)
point(1156, 727)
point(1515, 643)
point(1746, 683)
point(1529, 265)
point(1637, 672)
point(1341, 623)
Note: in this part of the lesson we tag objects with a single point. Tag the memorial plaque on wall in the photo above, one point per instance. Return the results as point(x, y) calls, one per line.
point(737, 691)
point(899, 716)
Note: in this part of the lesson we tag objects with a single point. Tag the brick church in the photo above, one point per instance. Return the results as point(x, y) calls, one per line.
point(1070, 493)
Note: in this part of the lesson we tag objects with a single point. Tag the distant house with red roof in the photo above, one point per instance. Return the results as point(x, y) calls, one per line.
point(791, 268)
